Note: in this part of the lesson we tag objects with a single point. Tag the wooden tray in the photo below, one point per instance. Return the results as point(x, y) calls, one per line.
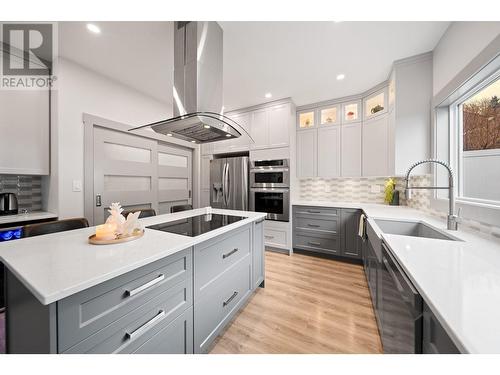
point(134, 236)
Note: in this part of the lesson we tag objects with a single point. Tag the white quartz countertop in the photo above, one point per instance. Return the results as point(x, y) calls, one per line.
point(58, 265)
point(459, 280)
point(30, 216)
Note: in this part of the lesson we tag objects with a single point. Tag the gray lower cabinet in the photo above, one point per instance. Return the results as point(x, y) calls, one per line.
point(178, 304)
point(327, 230)
point(435, 338)
point(258, 255)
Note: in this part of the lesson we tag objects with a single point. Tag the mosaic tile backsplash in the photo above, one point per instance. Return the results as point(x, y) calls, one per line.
point(27, 188)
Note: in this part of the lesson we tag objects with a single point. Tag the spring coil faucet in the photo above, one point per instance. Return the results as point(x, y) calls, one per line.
point(453, 220)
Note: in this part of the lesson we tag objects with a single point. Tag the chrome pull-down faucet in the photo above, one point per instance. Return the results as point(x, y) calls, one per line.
point(453, 220)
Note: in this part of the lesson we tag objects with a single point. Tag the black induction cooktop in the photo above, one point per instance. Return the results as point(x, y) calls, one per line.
point(196, 225)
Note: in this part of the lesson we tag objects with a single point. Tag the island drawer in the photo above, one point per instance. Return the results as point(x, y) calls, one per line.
point(213, 257)
point(301, 223)
point(324, 243)
point(311, 212)
point(89, 311)
point(130, 332)
point(220, 301)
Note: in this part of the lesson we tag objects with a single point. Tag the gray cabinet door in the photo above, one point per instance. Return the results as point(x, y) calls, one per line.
point(350, 239)
point(258, 257)
point(435, 338)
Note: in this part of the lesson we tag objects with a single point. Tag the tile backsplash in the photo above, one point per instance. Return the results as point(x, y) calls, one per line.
point(363, 189)
point(360, 190)
point(27, 188)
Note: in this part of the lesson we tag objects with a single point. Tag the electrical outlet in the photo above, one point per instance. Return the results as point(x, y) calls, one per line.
point(77, 186)
point(328, 189)
point(375, 188)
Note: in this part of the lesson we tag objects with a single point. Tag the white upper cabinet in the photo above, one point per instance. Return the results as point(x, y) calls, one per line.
point(307, 153)
point(329, 151)
point(375, 104)
point(279, 129)
point(306, 119)
point(260, 128)
point(330, 115)
point(241, 143)
point(351, 112)
point(351, 150)
point(375, 147)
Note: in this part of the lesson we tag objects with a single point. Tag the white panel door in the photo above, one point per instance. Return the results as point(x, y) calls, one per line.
point(125, 171)
point(351, 150)
point(259, 128)
point(279, 120)
point(174, 177)
point(375, 147)
point(307, 153)
point(329, 151)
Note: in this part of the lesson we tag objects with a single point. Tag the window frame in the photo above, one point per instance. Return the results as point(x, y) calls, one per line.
point(456, 139)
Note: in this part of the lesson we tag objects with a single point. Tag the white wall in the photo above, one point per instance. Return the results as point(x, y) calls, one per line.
point(82, 91)
point(459, 45)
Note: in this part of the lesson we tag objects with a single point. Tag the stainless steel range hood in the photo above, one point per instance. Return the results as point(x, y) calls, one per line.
point(197, 92)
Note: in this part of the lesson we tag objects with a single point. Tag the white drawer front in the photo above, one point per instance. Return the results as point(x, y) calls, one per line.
point(275, 238)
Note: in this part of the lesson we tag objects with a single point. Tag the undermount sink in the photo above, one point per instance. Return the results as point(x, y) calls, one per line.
point(413, 229)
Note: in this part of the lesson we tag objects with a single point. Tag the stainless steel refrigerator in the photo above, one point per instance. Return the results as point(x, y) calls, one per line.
point(229, 183)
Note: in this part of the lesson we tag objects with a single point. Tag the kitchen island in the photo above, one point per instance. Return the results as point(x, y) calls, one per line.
point(162, 293)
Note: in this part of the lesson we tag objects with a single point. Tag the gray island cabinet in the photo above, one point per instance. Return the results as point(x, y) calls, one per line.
point(178, 304)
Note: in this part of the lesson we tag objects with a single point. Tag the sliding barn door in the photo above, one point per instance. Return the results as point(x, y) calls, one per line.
point(125, 171)
point(174, 177)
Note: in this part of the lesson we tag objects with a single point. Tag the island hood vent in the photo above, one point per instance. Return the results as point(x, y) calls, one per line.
point(197, 92)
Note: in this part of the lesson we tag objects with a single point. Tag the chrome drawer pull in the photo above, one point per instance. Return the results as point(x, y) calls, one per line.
point(224, 256)
point(313, 225)
point(225, 303)
point(314, 243)
point(313, 212)
point(135, 291)
point(269, 237)
point(146, 326)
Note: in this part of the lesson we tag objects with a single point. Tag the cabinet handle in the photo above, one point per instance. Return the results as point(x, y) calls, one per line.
point(259, 221)
point(313, 212)
point(146, 326)
point(314, 243)
point(228, 301)
point(269, 237)
point(313, 225)
point(149, 284)
point(227, 255)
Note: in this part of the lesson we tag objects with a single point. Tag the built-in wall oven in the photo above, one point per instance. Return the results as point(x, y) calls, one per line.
point(270, 188)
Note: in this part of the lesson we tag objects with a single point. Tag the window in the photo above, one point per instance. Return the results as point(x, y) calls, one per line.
point(477, 128)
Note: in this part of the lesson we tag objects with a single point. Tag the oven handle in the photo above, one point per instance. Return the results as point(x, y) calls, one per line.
point(268, 170)
point(270, 190)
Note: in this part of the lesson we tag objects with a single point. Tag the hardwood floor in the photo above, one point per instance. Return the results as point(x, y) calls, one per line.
point(309, 305)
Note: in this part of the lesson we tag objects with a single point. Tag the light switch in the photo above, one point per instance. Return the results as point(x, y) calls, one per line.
point(77, 185)
point(375, 188)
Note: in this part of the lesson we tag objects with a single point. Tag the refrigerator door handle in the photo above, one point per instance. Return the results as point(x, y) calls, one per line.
point(225, 172)
point(228, 187)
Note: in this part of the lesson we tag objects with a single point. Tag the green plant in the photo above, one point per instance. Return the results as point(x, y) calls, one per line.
point(390, 186)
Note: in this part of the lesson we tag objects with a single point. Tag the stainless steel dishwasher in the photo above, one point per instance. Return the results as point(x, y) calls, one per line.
point(401, 309)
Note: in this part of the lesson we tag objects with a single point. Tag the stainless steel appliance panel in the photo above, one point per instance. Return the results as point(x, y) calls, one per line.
point(270, 173)
point(274, 202)
point(229, 183)
point(401, 309)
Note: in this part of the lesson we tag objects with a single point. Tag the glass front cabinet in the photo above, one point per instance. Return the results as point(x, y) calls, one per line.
point(329, 115)
point(351, 112)
point(306, 119)
point(375, 104)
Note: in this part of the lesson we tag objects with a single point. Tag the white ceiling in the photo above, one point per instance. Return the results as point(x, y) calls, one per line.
point(289, 59)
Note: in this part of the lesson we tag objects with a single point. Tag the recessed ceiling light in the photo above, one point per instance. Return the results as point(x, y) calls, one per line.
point(268, 95)
point(93, 28)
point(340, 77)
point(228, 135)
point(169, 134)
point(206, 126)
point(193, 141)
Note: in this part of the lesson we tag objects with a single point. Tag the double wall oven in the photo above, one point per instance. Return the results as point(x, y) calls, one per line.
point(270, 188)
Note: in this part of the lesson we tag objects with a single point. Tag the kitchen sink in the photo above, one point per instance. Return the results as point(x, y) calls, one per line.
point(413, 229)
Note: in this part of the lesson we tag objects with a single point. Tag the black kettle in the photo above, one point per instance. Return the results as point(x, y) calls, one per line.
point(8, 204)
